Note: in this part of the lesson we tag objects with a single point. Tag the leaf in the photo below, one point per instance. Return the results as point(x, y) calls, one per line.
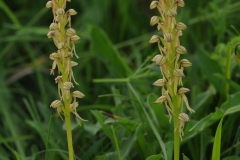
point(101, 119)
point(209, 68)
point(218, 134)
point(155, 157)
point(104, 50)
point(128, 142)
point(185, 157)
point(231, 158)
point(154, 129)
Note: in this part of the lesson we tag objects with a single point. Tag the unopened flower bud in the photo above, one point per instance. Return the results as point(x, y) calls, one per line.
point(67, 85)
point(70, 32)
point(180, 3)
point(153, 4)
point(178, 73)
point(183, 117)
point(168, 37)
point(154, 20)
point(71, 12)
point(181, 50)
point(74, 38)
point(160, 82)
point(78, 94)
point(181, 26)
point(159, 59)
point(183, 90)
point(154, 39)
point(185, 63)
point(161, 99)
point(172, 12)
point(49, 4)
point(53, 26)
point(56, 104)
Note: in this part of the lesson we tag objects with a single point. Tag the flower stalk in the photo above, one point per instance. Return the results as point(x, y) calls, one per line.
point(171, 66)
point(64, 37)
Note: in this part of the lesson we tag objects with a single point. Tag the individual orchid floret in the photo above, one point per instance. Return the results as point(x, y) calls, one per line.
point(73, 107)
point(57, 104)
point(164, 99)
point(182, 92)
point(153, 4)
point(154, 39)
point(183, 118)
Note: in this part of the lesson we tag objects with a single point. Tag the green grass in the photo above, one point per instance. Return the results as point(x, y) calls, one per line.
point(116, 75)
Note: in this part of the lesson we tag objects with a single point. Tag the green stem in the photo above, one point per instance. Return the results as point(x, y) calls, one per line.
point(69, 130)
point(176, 134)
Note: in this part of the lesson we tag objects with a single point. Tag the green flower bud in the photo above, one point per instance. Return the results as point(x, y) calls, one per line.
point(181, 50)
point(153, 4)
point(74, 38)
point(183, 90)
point(160, 82)
point(181, 26)
point(161, 99)
point(67, 85)
point(49, 4)
point(183, 117)
point(178, 73)
point(185, 63)
point(159, 59)
point(56, 104)
point(154, 39)
point(180, 3)
point(71, 12)
point(172, 12)
point(70, 32)
point(53, 26)
point(168, 37)
point(154, 20)
point(78, 94)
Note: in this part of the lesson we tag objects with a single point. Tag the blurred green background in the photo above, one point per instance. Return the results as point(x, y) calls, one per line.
point(116, 75)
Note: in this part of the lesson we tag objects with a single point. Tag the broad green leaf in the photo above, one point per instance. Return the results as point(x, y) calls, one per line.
point(104, 50)
point(217, 140)
point(155, 157)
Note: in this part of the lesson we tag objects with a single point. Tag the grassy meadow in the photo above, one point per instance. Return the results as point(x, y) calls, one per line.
point(116, 74)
